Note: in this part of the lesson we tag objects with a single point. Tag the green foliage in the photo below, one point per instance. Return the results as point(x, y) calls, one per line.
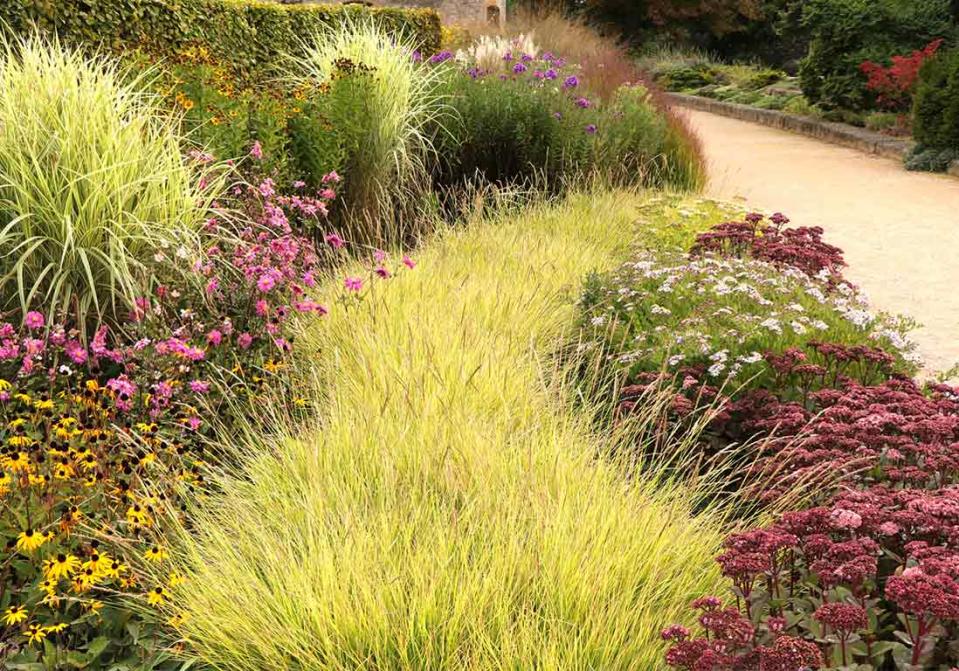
point(845, 33)
point(251, 35)
point(889, 122)
point(217, 113)
point(936, 102)
point(931, 159)
point(92, 183)
point(684, 78)
point(801, 106)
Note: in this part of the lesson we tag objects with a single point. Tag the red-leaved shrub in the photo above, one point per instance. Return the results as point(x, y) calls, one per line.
point(894, 85)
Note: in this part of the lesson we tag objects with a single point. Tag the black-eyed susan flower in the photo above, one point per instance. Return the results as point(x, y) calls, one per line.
point(61, 566)
point(137, 514)
point(97, 561)
point(63, 471)
point(17, 462)
point(175, 579)
point(87, 578)
point(5, 481)
point(56, 628)
point(30, 540)
point(114, 569)
point(156, 596)
point(14, 615)
point(35, 633)
point(156, 554)
point(92, 606)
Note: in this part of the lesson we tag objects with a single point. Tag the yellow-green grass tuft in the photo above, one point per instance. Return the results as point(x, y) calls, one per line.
point(448, 511)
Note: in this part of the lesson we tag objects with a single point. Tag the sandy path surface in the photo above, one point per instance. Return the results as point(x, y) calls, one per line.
point(899, 230)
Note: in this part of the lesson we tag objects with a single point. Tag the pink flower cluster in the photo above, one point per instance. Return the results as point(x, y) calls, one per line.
point(869, 575)
point(800, 248)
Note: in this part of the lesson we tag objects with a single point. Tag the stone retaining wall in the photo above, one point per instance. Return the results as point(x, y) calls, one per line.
point(837, 133)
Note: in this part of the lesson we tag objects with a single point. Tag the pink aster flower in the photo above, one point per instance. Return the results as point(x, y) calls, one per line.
point(265, 283)
point(214, 337)
point(334, 241)
point(244, 340)
point(408, 262)
point(34, 320)
point(256, 151)
point(353, 283)
point(199, 386)
point(331, 177)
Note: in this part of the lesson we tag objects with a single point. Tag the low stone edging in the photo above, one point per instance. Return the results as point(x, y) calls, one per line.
point(828, 131)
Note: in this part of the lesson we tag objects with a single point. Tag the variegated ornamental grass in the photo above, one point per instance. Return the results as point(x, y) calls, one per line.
point(92, 183)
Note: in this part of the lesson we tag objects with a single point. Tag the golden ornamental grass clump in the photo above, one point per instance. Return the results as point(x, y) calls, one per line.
point(446, 511)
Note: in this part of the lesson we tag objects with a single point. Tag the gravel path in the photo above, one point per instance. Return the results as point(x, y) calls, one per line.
point(899, 230)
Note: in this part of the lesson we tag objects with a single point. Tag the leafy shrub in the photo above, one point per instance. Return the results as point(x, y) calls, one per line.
point(846, 33)
point(92, 183)
point(801, 106)
point(251, 35)
point(219, 114)
point(754, 78)
point(379, 102)
point(936, 106)
point(931, 159)
point(891, 123)
point(688, 78)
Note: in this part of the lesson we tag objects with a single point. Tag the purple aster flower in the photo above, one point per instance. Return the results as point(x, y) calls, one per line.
point(526, 58)
point(557, 115)
point(571, 82)
point(519, 68)
point(508, 56)
point(441, 57)
point(583, 103)
point(551, 74)
point(591, 128)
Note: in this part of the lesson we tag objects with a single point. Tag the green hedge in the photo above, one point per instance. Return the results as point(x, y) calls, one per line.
point(936, 103)
point(250, 34)
point(844, 33)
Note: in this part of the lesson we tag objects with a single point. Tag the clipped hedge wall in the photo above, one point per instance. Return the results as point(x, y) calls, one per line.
point(936, 103)
point(251, 34)
point(844, 33)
